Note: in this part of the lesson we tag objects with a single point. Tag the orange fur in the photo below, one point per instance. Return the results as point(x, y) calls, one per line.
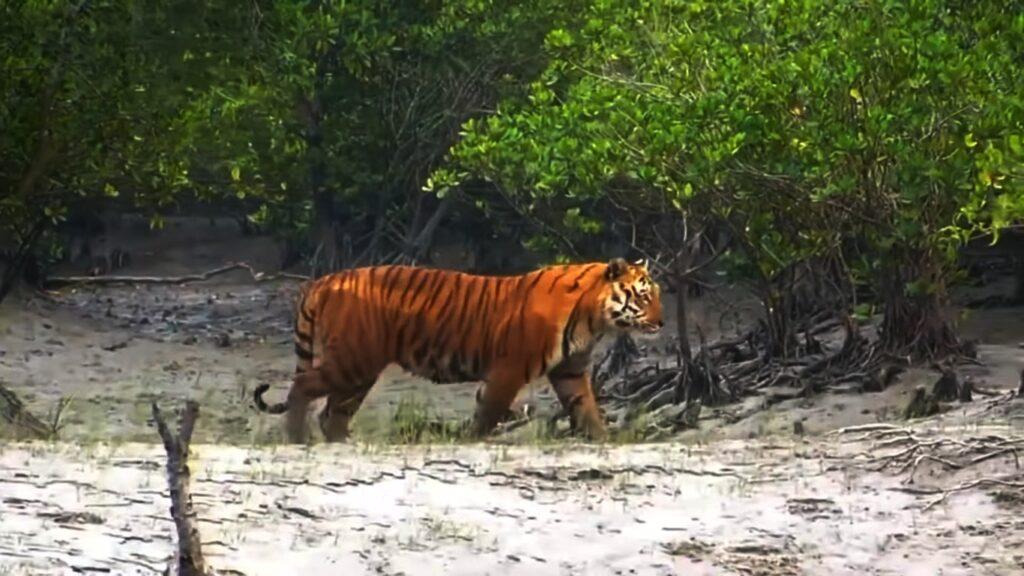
point(454, 327)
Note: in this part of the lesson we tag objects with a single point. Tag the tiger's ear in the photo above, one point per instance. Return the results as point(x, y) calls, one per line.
point(617, 267)
point(642, 263)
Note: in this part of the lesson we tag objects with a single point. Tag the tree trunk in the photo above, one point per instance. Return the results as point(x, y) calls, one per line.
point(779, 340)
point(913, 322)
point(1018, 290)
point(324, 234)
point(419, 246)
point(325, 239)
point(21, 257)
point(682, 287)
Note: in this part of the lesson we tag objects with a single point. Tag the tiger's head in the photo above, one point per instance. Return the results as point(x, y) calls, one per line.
point(632, 300)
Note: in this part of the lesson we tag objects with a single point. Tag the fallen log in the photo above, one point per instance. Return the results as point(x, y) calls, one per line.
point(59, 281)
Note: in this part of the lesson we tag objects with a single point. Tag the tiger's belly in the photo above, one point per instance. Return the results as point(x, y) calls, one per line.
point(444, 370)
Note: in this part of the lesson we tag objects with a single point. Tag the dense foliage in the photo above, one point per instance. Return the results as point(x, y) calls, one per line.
point(852, 143)
point(881, 134)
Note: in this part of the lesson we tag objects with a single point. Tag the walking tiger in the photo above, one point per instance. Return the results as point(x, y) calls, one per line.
point(455, 327)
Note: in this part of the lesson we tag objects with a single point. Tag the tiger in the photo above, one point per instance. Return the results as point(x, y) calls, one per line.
point(450, 326)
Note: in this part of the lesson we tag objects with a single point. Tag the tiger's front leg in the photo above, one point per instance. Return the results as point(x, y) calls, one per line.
point(572, 386)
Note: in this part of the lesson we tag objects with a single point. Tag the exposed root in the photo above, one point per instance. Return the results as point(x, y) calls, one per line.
point(616, 361)
point(980, 482)
point(903, 451)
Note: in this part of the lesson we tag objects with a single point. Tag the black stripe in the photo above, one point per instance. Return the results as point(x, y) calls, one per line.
point(479, 284)
point(443, 314)
point(560, 375)
point(410, 282)
point(483, 323)
point(310, 292)
point(522, 306)
point(302, 336)
point(565, 272)
point(302, 352)
point(544, 355)
point(436, 285)
point(516, 294)
point(458, 315)
point(576, 280)
point(428, 275)
point(570, 329)
point(540, 275)
point(484, 287)
point(388, 286)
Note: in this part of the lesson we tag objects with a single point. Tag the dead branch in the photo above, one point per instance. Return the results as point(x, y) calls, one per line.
point(58, 281)
point(25, 424)
point(867, 428)
point(190, 554)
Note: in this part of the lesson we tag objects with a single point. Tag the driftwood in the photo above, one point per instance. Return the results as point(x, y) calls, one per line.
point(190, 554)
point(25, 424)
point(58, 281)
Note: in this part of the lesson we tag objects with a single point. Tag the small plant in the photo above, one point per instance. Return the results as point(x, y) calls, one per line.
point(56, 416)
point(416, 422)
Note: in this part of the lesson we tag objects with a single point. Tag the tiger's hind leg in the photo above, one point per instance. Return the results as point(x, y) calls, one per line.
point(493, 402)
point(306, 387)
point(336, 417)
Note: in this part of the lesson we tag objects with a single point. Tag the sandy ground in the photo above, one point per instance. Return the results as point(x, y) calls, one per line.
point(735, 508)
point(740, 495)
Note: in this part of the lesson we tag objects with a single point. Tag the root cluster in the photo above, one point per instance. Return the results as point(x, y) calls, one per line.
point(906, 452)
point(726, 370)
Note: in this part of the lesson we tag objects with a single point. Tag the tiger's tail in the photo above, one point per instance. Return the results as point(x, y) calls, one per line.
point(303, 337)
point(262, 406)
